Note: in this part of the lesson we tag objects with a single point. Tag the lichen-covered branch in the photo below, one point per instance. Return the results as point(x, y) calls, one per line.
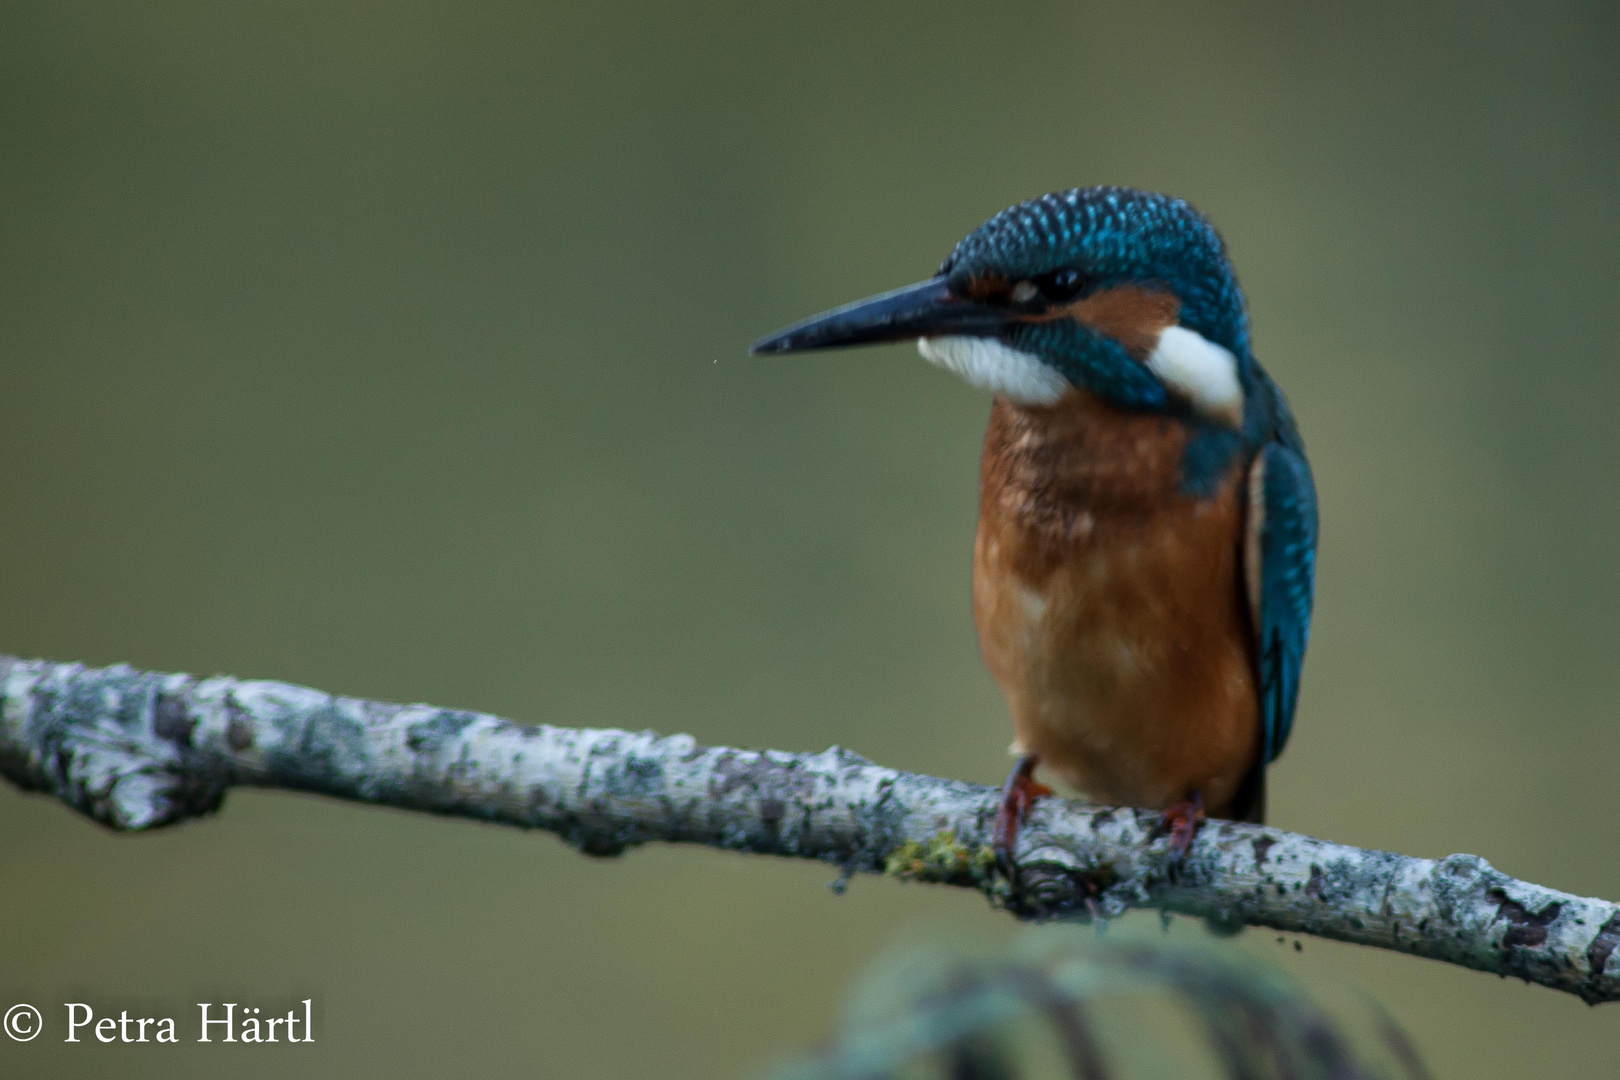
point(135, 750)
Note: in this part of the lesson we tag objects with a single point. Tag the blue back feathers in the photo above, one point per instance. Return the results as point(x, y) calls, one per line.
point(1287, 580)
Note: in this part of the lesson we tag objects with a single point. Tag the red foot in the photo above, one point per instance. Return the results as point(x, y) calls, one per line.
point(1020, 790)
point(1181, 821)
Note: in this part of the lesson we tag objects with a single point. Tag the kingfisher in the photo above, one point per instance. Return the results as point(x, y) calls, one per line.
point(1144, 560)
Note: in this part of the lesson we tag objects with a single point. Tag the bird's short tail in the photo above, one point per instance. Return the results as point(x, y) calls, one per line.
point(1249, 803)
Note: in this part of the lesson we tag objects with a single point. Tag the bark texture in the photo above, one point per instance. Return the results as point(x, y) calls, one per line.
point(135, 750)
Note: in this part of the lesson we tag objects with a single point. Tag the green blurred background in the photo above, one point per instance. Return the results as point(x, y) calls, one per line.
point(398, 349)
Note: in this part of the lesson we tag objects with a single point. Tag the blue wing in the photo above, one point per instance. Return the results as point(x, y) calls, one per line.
point(1283, 553)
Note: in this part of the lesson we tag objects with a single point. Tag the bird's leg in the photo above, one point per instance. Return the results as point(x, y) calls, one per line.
point(1020, 790)
point(1181, 821)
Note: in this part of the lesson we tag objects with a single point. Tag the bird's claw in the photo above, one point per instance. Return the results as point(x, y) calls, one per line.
point(1180, 822)
point(1017, 795)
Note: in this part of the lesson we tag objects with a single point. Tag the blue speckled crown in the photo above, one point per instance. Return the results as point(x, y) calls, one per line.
point(1112, 235)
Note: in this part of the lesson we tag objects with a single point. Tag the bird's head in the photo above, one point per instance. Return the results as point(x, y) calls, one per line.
point(1123, 293)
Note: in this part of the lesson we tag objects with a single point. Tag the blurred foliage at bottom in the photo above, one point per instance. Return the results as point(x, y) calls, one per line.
point(1063, 1002)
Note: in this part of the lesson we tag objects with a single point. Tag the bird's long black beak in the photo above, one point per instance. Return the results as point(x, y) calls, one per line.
point(919, 310)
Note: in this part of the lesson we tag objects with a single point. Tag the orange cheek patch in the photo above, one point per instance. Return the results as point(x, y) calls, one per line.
point(1130, 314)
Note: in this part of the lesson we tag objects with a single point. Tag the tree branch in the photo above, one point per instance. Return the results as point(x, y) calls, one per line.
point(135, 750)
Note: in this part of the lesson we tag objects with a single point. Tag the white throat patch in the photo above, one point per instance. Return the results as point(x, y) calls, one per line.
point(1202, 371)
point(989, 365)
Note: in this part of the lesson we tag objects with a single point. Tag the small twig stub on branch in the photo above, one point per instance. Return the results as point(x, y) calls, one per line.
point(135, 750)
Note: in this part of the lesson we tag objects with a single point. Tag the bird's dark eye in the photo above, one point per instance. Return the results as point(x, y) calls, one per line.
point(1060, 285)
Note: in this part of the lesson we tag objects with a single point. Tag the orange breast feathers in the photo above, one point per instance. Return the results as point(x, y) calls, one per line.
point(1111, 607)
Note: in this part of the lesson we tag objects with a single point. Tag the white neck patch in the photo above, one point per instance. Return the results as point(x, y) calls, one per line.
point(1202, 371)
point(989, 365)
